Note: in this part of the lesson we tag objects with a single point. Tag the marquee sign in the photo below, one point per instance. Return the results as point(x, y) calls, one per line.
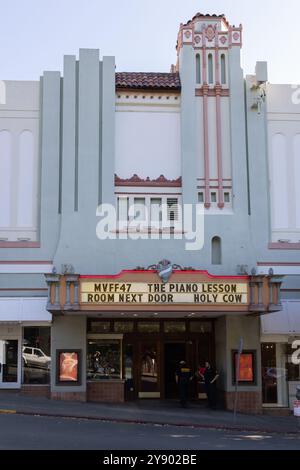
point(163, 287)
point(93, 292)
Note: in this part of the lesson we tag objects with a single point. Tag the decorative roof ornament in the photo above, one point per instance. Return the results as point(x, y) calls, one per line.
point(210, 32)
point(165, 269)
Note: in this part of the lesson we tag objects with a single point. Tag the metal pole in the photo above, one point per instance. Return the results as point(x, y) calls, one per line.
point(237, 375)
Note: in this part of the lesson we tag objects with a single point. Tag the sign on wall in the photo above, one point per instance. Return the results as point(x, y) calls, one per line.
point(156, 293)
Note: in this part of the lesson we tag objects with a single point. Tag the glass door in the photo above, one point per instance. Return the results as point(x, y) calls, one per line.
point(149, 374)
point(9, 363)
point(269, 373)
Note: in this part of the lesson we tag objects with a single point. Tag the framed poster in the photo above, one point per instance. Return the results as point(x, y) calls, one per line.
point(68, 367)
point(247, 367)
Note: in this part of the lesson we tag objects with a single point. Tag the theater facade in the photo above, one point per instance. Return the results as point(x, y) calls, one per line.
point(122, 337)
point(147, 218)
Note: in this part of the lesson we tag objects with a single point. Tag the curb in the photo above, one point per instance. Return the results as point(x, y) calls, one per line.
point(219, 427)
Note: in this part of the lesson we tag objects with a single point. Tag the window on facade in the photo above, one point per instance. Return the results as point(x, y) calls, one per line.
point(200, 327)
point(148, 327)
point(216, 251)
point(139, 209)
point(123, 326)
point(198, 69)
point(201, 198)
point(156, 210)
point(36, 355)
point(172, 206)
point(99, 327)
point(223, 69)
point(210, 70)
point(227, 198)
point(174, 327)
point(213, 197)
point(123, 210)
point(103, 359)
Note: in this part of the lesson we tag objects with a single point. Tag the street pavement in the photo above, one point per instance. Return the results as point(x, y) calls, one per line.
point(148, 412)
point(19, 432)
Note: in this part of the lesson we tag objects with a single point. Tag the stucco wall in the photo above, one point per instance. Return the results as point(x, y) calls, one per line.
point(68, 333)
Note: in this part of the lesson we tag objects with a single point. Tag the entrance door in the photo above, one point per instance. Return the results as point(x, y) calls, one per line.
point(174, 353)
point(269, 373)
point(9, 363)
point(149, 370)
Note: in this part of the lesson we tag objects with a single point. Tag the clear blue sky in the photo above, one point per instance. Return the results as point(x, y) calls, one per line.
point(141, 34)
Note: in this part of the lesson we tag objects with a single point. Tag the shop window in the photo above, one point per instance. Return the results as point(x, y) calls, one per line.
point(103, 359)
point(200, 327)
point(148, 327)
point(223, 69)
point(293, 370)
point(198, 69)
point(216, 251)
point(123, 326)
point(174, 327)
point(210, 69)
point(36, 355)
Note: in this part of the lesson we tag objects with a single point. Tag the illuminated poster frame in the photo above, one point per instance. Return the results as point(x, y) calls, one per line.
point(68, 367)
point(247, 375)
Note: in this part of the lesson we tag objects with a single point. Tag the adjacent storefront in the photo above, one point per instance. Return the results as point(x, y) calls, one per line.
point(25, 345)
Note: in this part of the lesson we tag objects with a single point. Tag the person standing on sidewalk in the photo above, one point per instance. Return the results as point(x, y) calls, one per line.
point(210, 376)
point(183, 377)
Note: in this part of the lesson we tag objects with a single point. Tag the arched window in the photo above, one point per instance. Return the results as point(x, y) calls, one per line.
point(216, 251)
point(223, 69)
point(198, 69)
point(210, 70)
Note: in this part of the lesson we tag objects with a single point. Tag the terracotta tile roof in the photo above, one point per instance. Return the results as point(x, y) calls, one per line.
point(143, 80)
point(207, 15)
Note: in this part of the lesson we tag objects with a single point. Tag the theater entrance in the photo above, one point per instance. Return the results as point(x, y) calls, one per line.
point(173, 354)
point(145, 354)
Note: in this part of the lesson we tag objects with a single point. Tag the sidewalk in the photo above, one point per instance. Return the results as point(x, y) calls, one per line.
point(148, 412)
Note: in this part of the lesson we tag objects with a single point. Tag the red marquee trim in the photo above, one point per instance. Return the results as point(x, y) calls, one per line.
point(175, 273)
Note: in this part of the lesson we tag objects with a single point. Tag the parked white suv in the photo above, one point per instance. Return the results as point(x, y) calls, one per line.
point(35, 357)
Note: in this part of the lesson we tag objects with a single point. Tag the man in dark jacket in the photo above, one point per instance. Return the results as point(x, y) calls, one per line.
point(183, 378)
point(210, 377)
